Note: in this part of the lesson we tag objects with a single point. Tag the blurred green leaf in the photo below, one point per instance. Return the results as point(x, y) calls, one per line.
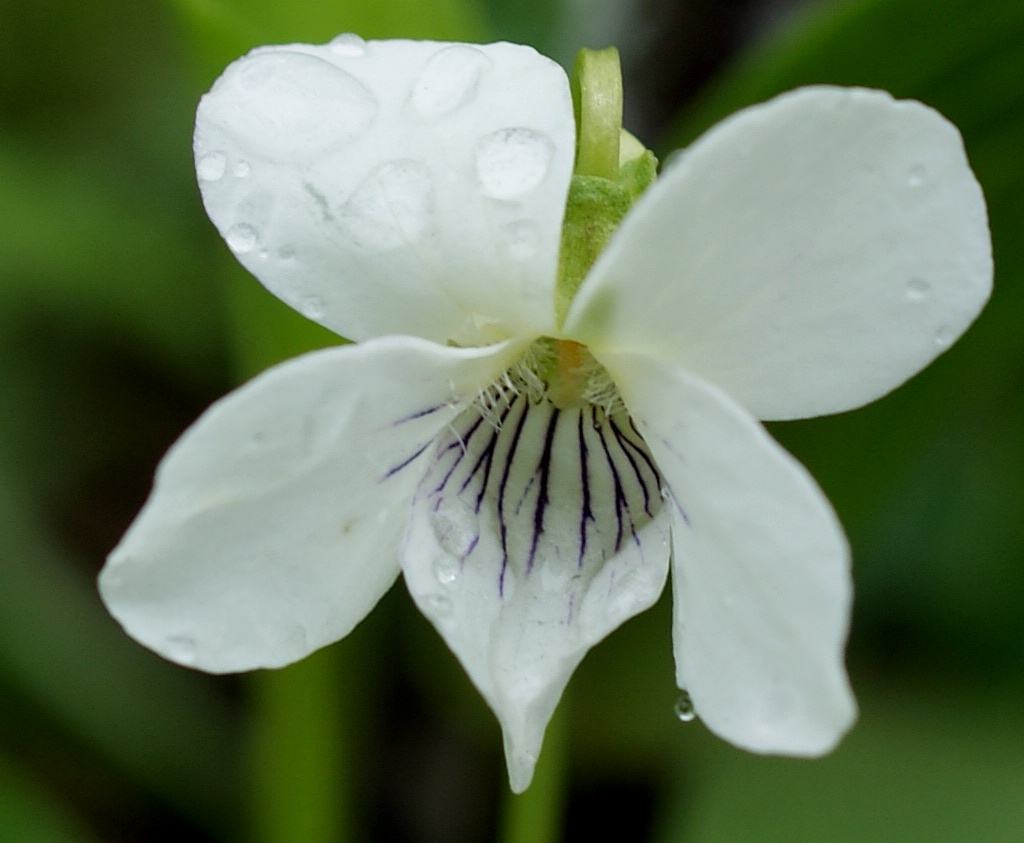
point(918, 768)
point(163, 726)
point(30, 814)
point(78, 244)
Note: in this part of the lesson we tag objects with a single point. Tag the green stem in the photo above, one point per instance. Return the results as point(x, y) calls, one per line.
point(537, 816)
point(299, 785)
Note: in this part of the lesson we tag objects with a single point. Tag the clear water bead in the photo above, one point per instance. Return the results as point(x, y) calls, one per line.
point(392, 208)
point(211, 167)
point(312, 307)
point(916, 175)
point(242, 238)
point(918, 289)
point(512, 162)
point(684, 709)
point(348, 44)
point(448, 81)
point(287, 103)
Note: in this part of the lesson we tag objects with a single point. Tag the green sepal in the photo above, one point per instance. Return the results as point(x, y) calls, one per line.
point(636, 175)
point(593, 211)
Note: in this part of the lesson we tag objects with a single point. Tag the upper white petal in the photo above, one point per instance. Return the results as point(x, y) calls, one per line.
point(274, 522)
point(394, 187)
point(534, 533)
point(807, 255)
point(760, 569)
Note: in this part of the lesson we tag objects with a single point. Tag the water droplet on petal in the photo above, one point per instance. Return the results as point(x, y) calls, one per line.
point(512, 162)
point(446, 570)
point(211, 167)
point(918, 289)
point(242, 238)
point(916, 175)
point(392, 208)
point(457, 528)
point(684, 708)
point(242, 169)
point(182, 649)
point(312, 307)
point(944, 336)
point(286, 253)
point(521, 239)
point(286, 104)
point(348, 44)
point(448, 81)
point(439, 604)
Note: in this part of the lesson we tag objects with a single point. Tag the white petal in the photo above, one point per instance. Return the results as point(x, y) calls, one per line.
point(806, 255)
point(394, 187)
point(760, 568)
point(275, 521)
point(534, 533)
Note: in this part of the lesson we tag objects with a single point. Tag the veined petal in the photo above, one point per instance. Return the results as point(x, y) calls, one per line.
point(394, 187)
point(806, 255)
point(275, 521)
point(760, 571)
point(534, 532)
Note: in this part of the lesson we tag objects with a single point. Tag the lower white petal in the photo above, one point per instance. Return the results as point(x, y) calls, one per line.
point(534, 533)
point(760, 570)
point(275, 521)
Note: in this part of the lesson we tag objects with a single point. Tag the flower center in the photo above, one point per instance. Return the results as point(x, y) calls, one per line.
point(544, 473)
point(561, 372)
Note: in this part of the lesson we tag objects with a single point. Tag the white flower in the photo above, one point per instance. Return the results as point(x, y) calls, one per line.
point(533, 482)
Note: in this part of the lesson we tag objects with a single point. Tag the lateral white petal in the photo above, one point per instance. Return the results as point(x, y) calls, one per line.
point(806, 255)
point(394, 187)
point(275, 521)
point(760, 571)
point(534, 533)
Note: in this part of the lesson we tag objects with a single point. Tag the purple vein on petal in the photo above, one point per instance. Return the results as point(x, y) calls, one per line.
point(586, 513)
point(544, 471)
point(502, 489)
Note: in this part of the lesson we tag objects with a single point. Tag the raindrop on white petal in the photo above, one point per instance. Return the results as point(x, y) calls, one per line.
point(943, 335)
point(182, 649)
point(512, 162)
point(348, 44)
point(446, 570)
point(312, 307)
point(289, 104)
point(242, 169)
point(392, 208)
point(918, 289)
point(521, 239)
point(916, 175)
point(211, 166)
point(448, 81)
point(242, 238)
point(684, 708)
point(439, 604)
point(456, 527)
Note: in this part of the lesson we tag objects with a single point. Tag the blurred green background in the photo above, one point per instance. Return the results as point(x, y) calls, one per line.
point(122, 316)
